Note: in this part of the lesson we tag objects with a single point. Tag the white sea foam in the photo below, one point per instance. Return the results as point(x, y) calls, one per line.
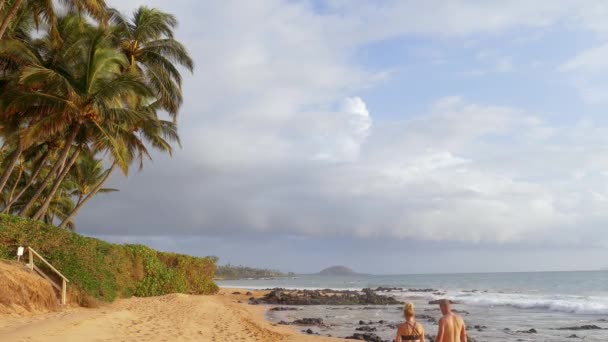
point(560, 303)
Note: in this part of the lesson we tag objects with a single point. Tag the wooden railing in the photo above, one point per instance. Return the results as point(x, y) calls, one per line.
point(64, 281)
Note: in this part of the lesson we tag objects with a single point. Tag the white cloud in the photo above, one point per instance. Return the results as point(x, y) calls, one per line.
point(276, 140)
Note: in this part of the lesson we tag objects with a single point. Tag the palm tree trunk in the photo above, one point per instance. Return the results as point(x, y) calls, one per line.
point(10, 196)
point(87, 198)
point(10, 16)
point(45, 205)
point(63, 156)
point(11, 165)
point(29, 183)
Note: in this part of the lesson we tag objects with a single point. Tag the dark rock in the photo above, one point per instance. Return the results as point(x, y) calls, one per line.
point(309, 321)
point(462, 312)
point(366, 328)
point(369, 337)
point(582, 327)
point(531, 331)
point(283, 308)
point(326, 297)
point(428, 318)
point(236, 293)
point(422, 290)
point(435, 302)
point(248, 294)
point(388, 289)
point(573, 336)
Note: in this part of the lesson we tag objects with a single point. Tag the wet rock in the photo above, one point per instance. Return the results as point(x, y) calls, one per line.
point(369, 337)
point(325, 297)
point(309, 321)
point(388, 289)
point(582, 327)
point(422, 290)
point(437, 301)
point(428, 318)
point(460, 312)
point(366, 328)
point(284, 308)
point(531, 331)
point(573, 336)
point(310, 332)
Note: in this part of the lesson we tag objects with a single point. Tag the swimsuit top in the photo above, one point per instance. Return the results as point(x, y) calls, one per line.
point(415, 336)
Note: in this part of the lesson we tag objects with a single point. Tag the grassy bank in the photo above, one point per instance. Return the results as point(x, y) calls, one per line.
point(108, 271)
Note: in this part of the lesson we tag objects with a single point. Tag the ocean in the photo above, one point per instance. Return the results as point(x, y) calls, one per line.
point(496, 306)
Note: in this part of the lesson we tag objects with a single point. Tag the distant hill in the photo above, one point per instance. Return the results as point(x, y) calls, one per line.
point(231, 272)
point(337, 271)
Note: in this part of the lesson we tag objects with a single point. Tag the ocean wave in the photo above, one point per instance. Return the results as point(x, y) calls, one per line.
point(560, 303)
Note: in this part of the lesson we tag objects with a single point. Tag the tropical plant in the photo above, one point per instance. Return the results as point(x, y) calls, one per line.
point(148, 41)
point(45, 11)
point(77, 98)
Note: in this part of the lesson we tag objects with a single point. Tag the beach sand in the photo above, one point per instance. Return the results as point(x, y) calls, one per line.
point(175, 317)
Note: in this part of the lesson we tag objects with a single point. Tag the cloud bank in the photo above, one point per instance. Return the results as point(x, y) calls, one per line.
point(279, 139)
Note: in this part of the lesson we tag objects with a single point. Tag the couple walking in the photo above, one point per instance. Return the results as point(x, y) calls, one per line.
point(451, 326)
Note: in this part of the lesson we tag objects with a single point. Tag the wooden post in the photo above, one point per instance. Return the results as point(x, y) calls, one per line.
point(31, 255)
point(64, 287)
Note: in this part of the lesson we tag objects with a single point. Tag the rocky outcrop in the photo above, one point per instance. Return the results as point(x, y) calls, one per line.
point(324, 297)
point(582, 327)
point(369, 337)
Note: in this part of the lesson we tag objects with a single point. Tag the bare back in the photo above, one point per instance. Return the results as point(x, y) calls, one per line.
point(451, 329)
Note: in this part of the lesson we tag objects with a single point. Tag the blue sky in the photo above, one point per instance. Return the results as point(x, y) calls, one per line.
point(391, 136)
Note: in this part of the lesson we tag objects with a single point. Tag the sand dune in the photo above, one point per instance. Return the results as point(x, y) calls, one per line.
point(167, 318)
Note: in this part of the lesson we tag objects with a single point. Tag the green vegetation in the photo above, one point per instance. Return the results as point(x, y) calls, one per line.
point(241, 272)
point(106, 271)
point(82, 94)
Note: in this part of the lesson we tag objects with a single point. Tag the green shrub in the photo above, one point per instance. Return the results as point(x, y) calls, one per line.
point(106, 271)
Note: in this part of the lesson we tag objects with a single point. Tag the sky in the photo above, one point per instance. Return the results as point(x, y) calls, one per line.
point(388, 136)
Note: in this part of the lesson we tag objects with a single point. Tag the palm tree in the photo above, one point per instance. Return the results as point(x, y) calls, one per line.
point(147, 41)
point(77, 92)
point(38, 157)
point(44, 10)
point(88, 177)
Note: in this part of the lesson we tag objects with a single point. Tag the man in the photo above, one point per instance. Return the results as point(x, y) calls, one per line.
point(451, 326)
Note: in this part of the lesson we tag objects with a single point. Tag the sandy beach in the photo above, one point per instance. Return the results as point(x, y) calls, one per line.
point(175, 317)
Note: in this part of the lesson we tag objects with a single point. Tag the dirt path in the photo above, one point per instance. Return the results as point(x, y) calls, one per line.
point(177, 317)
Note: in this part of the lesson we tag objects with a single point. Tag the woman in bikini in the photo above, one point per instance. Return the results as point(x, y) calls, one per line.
point(410, 330)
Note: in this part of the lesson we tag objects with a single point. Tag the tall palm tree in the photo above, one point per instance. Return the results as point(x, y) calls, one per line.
point(148, 42)
point(37, 157)
point(88, 177)
point(77, 92)
point(45, 11)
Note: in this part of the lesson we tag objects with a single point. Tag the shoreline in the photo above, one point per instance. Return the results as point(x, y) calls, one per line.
point(175, 317)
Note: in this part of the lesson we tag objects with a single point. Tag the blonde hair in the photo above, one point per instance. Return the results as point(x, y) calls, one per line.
point(408, 309)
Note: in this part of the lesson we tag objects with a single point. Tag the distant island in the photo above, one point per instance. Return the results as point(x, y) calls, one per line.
point(338, 271)
point(232, 272)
